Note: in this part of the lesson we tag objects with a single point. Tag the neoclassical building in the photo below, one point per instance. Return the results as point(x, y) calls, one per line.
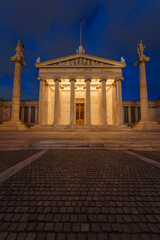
point(80, 89)
point(75, 91)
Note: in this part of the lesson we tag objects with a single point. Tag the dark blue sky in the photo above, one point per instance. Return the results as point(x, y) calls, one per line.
point(50, 29)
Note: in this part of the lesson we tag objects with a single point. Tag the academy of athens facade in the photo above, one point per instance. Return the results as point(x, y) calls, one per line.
point(78, 90)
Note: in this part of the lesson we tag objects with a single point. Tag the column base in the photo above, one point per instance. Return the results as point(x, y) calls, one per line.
point(72, 125)
point(13, 126)
point(146, 125)
point(122, 125)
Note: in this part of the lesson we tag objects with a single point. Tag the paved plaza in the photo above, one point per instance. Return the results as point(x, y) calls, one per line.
point(81, 195)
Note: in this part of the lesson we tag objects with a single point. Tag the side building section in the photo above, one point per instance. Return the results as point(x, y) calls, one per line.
point(29, 111)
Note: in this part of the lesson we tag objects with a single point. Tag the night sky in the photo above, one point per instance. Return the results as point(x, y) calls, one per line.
point(50, 29)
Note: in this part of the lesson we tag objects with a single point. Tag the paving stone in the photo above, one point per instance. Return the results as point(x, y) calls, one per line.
point(75, 227)
point(73, 218)
point(114, 236)
point(81, 236)
point(31, 236)
point(48, 226)
point(58, 227)
point(11, 236)
point(102, 236)
point(21, 236)
point(41, 236)
point(84, 227)
point(95, 227)
point(40, 227)
point(60, 236)
point(51, 236)
point(3, 235)
point(67, 227)
point(71, 236)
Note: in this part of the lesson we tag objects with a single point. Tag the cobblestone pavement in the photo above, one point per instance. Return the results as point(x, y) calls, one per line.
point(11, 158)
point(82, 194)
point(150, 154)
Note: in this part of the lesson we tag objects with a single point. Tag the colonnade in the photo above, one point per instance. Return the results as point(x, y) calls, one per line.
point(22, 117)
point(87, 101)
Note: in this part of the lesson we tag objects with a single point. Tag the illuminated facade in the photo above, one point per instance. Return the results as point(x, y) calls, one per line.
point(80, 89)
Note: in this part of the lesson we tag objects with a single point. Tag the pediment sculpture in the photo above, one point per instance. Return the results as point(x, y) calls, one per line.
point(80, 62)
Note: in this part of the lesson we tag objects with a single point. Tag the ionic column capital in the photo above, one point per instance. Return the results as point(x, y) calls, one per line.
point(119, 79)
point(72, 79)
point(103, 79)
point(88, 79)
point(57, 79)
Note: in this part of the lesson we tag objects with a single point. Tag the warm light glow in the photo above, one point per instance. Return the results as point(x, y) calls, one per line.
point(79, 84)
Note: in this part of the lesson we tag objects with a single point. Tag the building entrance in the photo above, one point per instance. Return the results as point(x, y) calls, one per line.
point(80, 113)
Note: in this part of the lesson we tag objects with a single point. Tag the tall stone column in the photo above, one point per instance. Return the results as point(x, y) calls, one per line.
point(72, 102)
point(145, 122)
point(15, 122)
point(104, 107)
point(114, 105)
point(16, 92)
point(143, 87)
point(119, 101)
point(88, 102)
point(46, 104)
point(41, 102)
point(56, 102)
point(18, 59)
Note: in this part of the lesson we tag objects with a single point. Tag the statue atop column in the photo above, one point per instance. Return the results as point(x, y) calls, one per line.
point(140, 48)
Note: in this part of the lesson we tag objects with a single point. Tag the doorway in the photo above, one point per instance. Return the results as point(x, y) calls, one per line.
point(80, 113)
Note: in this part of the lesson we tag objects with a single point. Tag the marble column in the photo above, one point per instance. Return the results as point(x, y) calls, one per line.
point(29, 115)
point(136, 114)
point(88, 102)
point(56, 102)
point(18, 59)
point(104, 107)
point(119, 101)
point(129, 116)
point(114, 105)
point(36, 114)
point(72, 102)
point(46, 104)
point(22, 114)
point(41, 102)
point(143, 87)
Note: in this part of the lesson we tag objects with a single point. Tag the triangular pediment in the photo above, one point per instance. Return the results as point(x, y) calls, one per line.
point(80, 60)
